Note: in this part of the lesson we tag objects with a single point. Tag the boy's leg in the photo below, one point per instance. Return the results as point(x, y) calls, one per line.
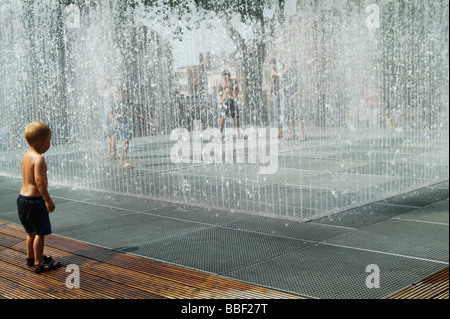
point(277, 108)
point(38, 249)
point(42, 263)
point(236, 118)
point(292, 125)
point(30, 242)
point(293, 120)
point(302, 130)
point(112, 145)
point(123, 156)
point(222, 122)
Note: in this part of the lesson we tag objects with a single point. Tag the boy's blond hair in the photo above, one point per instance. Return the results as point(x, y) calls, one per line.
point(37, 131)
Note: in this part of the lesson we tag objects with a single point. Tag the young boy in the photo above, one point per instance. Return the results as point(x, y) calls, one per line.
point(121, 116)
point(34, 202)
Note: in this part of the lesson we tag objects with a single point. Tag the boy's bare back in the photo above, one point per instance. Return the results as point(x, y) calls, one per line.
point(34, 172)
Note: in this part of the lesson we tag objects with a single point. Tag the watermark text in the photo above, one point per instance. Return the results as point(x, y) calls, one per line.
point(251, 145)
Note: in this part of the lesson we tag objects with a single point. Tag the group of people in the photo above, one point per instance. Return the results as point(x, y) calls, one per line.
point(118, 116)
point(284, 86)
point(285, 93)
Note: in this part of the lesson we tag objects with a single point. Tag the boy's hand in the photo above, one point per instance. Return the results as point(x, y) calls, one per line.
point(50, 206)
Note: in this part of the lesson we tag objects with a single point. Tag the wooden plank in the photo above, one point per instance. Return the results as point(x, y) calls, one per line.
point(11, 290)
point(92, 286)
point(154, 286)
point(431, 287)
point(442, 295)
point(107, 278)
point(51, 286)
point(89, 270)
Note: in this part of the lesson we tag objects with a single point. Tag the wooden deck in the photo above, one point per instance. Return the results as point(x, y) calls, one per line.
point(107, 274)
point(431, 287)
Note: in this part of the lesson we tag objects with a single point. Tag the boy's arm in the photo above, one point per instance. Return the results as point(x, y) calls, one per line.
point(40, 175)
point(142, 117)
point(111, 116)
point(219, 92)
point(297, 92)
point(236, 90)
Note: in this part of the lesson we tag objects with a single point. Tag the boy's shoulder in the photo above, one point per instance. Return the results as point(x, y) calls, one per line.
point(33, 155)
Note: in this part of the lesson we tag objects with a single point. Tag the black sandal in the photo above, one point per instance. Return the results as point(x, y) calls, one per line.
point(30, 261)
point(46, 266)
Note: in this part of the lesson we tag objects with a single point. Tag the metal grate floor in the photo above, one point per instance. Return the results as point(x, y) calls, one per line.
point(406, 237)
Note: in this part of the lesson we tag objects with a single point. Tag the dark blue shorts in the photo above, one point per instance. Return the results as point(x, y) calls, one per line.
point(33, 215)
point(230, 109)
point(125, 130)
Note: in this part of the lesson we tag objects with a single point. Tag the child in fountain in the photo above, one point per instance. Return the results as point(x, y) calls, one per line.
point(121, 116)
point(34, 202)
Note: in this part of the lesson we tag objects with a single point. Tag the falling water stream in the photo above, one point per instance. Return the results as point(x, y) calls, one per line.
point(59, 64)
